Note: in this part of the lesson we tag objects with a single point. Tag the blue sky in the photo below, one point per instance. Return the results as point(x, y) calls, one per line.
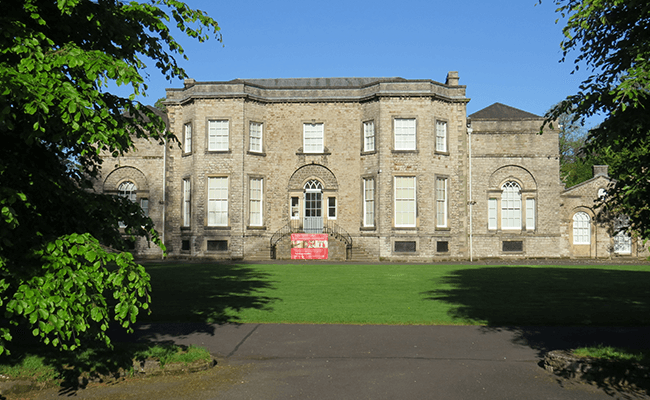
point(505, 51)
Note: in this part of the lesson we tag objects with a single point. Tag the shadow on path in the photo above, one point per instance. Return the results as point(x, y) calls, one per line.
point(555, 308)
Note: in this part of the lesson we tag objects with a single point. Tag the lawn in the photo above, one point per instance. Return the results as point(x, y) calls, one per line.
point(401, 294)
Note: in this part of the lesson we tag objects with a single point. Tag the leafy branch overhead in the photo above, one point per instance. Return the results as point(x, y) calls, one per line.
point(57, 115)
point(611, 39)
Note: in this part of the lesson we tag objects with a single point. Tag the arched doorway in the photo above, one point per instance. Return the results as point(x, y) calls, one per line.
point(313, 215)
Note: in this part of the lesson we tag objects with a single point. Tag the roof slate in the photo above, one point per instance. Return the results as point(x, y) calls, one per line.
point(503, 112)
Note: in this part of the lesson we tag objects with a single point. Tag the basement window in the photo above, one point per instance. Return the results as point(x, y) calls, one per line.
point(404, 246)
point(185, 245)
point(512, 246)
point(217, 245)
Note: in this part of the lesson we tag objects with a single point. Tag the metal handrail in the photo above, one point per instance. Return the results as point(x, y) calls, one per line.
point(334, 229)
point(295, 226)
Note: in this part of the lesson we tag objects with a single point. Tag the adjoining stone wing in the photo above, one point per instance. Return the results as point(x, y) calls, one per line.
point(515, 185)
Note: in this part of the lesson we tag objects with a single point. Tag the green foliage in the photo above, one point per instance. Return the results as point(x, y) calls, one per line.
point(575, 165)
point(614, 353)
point(159, 104)
point(56, 117)
point(611, 38)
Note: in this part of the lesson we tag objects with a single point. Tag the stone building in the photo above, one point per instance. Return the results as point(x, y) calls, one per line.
point(388, 168)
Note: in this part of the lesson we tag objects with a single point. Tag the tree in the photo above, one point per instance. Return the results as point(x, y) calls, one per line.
point(57, 115)
point(575, 165)
point(611, 37)
point(159, 104)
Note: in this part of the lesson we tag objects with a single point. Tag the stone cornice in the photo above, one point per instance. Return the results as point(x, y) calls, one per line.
point(379, 90)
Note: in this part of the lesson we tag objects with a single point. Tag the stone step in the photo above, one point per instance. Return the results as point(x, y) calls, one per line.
point(360, 255)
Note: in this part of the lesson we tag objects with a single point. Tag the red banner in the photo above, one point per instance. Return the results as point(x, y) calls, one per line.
point(305, 246)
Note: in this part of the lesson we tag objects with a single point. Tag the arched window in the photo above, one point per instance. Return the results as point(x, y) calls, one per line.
point(581, 228)
point(511, 205)
point(313, 186)
point(127, 189)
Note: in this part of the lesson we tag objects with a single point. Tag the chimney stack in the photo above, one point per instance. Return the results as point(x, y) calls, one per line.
point(600, 170)
point(452, 78)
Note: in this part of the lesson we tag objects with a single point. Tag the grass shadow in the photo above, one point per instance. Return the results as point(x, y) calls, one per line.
point(205, 293)
point(37, 365)
point(553, 308)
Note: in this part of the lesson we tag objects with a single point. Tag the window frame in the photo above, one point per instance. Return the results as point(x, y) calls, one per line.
point(218, 216)
point(369, 203)
point(511, 206)
point(253, 200)
point(530, 207)
point(493, 213)
point(581, 228)
point(294, 207)
point(442, 140)
point(444, 202)
point(397, 133)
point(410, 212)
point(144, 205)
point(622, 243)
point(187, 203)
point(260, 146)
point(187, 138)
point(311, 148)
point(218, 125)
point(369, 136)
point(129, 190)
point(331, 207)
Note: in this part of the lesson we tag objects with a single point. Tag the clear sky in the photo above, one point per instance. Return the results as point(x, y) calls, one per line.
point(505, 51)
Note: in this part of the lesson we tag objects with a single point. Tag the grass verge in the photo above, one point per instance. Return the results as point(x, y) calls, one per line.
point(614, 354)
point(50, 366)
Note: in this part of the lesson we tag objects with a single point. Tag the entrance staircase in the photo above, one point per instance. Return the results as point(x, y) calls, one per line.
point(295, 226)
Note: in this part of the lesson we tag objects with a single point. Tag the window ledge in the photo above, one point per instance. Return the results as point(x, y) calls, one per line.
point(186, 228)
point(442, 153)
point(301, 153)
point(368, 153)
point(218, 151)
point(256, 153)
point(443, 228)
point(368, 228)
point(256, 228)
point(404, 151)
point(218, 228)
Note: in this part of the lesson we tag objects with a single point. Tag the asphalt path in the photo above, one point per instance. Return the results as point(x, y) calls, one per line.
point(275, 361)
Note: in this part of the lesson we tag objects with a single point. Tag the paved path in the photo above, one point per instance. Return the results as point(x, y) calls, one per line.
point(371, 362)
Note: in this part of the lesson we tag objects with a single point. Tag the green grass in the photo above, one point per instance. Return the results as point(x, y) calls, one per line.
point(31, 366)
point(614, 354)
point(30, 360)
point(401, 294)
point(168, 354)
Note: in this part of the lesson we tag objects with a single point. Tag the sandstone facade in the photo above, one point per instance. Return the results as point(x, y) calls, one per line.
point(386, 166)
